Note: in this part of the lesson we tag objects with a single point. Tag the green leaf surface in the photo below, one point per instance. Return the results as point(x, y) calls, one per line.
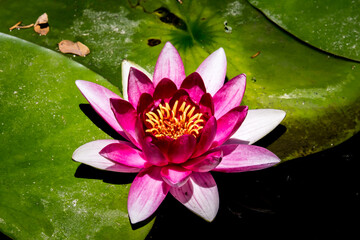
point(319, 92)
point(43, 193)
point(332, 26)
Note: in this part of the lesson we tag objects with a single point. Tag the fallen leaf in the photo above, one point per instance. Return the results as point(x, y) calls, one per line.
point(41, 25)
point(78, 48)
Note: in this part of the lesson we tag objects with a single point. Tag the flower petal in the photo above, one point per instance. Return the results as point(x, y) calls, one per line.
point(99, 98)
point(243, 158)
point(230, 95)
point(258, 123)
point(174, 175)
point(146, 194)
point(126, 116)
point(194, 85)
point(207, 105)
point(139, 83)
point(213, 71)
point(89, 155)
point(169, 65)
point(207, 137)
point(125, 69)
point(153, 153)
point(125, 154)
point(165, 89)
point(228, 124)
point(181, 148)
point(204, 163)
point(200, 195)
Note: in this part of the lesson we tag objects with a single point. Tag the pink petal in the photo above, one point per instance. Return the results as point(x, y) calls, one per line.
point(99, 98)
point(258, 123)
point(207, 137)
point(125, 69)
point(89, 155)
point(229, 124)
point(174, 175)
point(207, 105)
point(165, 89)
point(153, 154)
point(146, 194)
point(181, 149)
point(126, 116)
point(200, 195)
point(139, 83)
point(243, 158)
point(124, 153)
point(230, 95)
point(213, 71)
point(145, 103)
point(204, 163)
point(169, 65)
point(194, 85)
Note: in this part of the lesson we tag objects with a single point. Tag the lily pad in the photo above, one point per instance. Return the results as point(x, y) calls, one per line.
point(43, 193)
point(318, 91)
point(332, 26)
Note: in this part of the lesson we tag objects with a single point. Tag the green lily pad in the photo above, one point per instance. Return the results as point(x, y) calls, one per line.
point(332, 26)
point(318, 91)
point(43, 193)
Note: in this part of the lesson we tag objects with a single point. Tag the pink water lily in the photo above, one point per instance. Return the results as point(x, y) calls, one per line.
point(177, 129)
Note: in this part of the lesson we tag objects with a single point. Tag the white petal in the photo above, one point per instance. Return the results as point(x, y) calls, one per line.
point(125, 69)
point(200, 195)
point(213, 71)
point(89, 155)
point(258, 123)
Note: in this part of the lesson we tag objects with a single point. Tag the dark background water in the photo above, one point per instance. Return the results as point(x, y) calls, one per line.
point(315, 197)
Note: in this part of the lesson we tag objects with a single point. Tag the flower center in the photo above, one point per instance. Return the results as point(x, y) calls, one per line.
point(174, 122)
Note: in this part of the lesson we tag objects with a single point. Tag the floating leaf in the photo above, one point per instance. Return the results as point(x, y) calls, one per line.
point(332, 26)
point(44, 194)
point(41, 25)
point(78, 48)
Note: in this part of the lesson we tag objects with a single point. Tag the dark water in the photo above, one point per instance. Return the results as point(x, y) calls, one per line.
point(315, 197)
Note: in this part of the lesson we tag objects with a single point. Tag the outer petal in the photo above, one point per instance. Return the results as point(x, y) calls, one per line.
point(200, 195)
point(194, 85)
point(99, 98)
point(258, 123)
point(207, 137)
point(174, 175)
point(126, 115)
point(229, 124)
point(229, 96)
point(125, 69)
point(89, 155)
point(169, 65)
point(139, 83)
point(146, 194)
point(181, 149)
point(213, 71)
point(243, 158)
point(125, 154)
point(204, 163)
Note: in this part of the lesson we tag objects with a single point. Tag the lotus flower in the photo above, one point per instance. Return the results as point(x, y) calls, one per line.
point(177, 129)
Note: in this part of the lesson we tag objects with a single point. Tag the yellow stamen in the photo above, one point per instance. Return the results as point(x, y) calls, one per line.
point(164, 122)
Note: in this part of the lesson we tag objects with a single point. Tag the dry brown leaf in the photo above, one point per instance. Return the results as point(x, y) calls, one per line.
point(78, 48)
point(41, 25)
